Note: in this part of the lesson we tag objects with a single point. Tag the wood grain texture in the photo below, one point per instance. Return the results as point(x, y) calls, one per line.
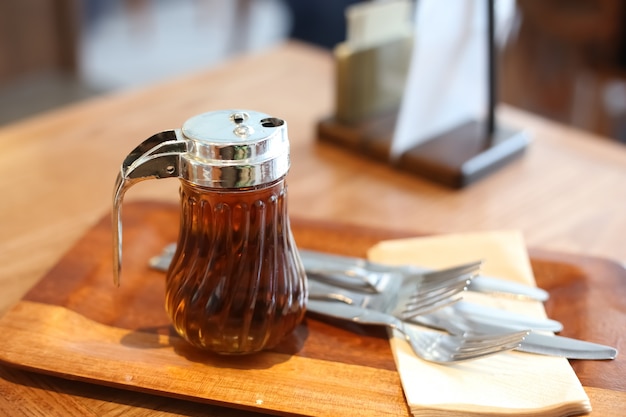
point(66, 344)
point(75, 324)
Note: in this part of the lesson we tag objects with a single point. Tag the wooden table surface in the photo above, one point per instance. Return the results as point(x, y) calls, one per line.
point(57, 170)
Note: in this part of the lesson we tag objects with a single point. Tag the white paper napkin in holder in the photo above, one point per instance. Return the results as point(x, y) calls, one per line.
point(507, 384)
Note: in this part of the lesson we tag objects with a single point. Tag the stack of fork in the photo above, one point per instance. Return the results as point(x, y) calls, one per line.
point(391, 296)
point(394, 300)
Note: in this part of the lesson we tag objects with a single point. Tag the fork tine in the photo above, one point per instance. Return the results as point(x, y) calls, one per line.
point(465, 356)
point(419, 305)
point(437, 293)
point(439, 289)
point(469, 268)
point(480, 341)
point(427, 302)
point(444, 279)
point(430, 308)
point(488, 346)
point(443, 283)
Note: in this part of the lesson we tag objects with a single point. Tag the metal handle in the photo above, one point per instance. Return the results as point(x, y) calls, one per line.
point(156, 157)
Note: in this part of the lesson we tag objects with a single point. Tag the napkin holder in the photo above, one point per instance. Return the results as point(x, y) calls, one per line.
point(367, 112)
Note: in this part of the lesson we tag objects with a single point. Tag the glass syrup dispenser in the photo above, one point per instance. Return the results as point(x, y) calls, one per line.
point(236, 284)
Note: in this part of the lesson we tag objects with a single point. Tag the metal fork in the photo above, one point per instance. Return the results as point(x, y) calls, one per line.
point(433, 291)
point(428, 345)
point(366, 276)
point(363, 275)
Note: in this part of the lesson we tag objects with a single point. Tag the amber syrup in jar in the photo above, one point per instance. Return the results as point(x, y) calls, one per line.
point(236, 284)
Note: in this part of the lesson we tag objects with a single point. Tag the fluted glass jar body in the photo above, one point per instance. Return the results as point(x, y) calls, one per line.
point(236, 284)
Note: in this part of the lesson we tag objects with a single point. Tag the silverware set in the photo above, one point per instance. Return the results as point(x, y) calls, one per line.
point(408, 299)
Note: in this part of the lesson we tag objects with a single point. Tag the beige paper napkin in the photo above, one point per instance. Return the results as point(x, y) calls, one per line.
point(507, 384)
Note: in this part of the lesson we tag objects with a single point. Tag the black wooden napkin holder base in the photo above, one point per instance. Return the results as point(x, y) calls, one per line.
point(455, 158)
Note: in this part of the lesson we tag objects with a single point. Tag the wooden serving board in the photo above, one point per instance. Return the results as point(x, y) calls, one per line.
point(75, 324)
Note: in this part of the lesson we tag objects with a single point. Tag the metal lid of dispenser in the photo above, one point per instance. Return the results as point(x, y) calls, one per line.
point(234, 149)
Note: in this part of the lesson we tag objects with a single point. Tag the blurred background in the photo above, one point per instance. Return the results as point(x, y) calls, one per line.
point(565, 59)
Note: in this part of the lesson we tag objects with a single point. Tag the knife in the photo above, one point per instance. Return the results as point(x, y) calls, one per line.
point(487, 284)
point(480, 313)
point(363, 275)
point(533, 343)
